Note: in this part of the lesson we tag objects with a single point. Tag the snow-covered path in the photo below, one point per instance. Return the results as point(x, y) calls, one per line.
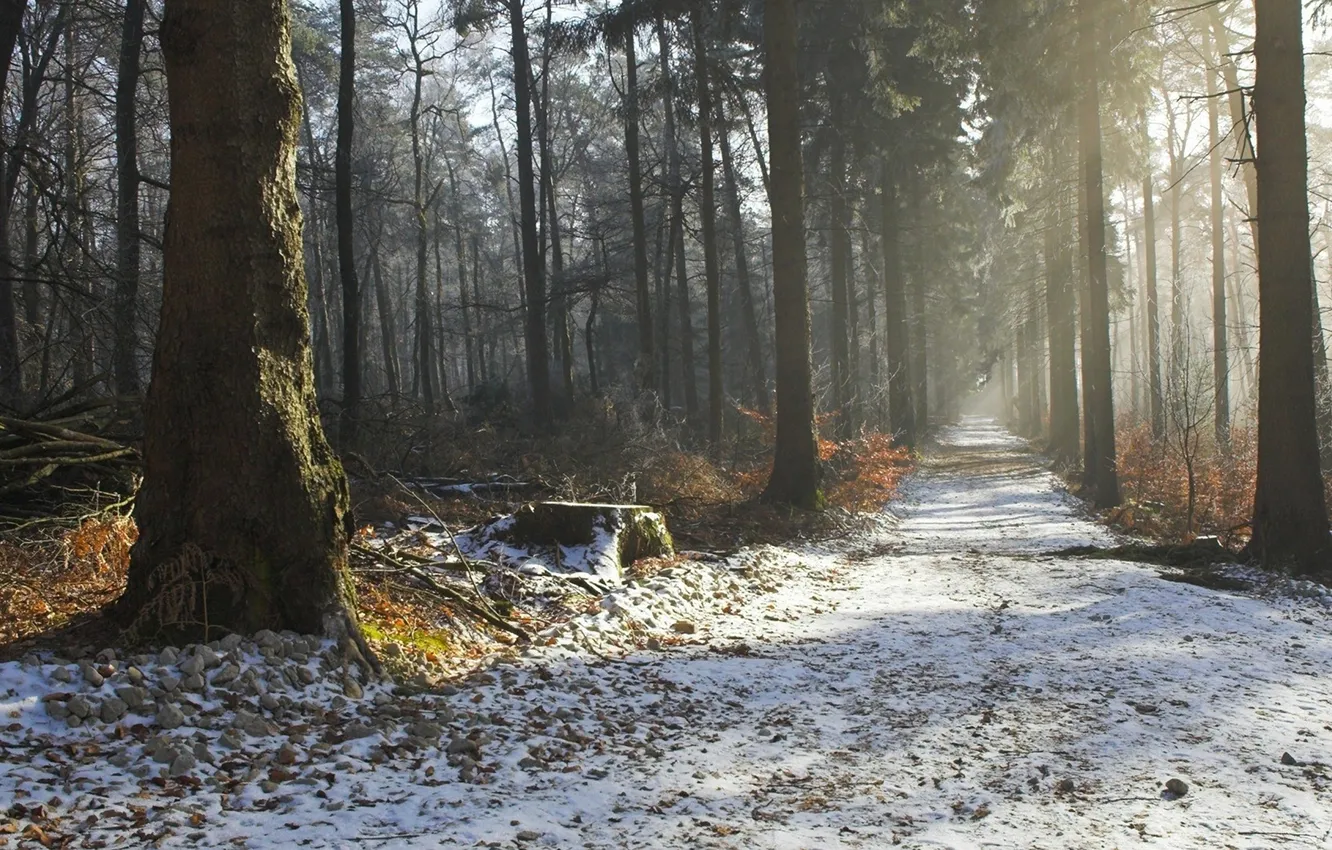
point(939, 683)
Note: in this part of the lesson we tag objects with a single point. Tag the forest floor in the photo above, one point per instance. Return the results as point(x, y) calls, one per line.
point(939, 681)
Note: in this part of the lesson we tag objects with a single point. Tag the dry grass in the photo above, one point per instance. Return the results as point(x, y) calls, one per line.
point(603, 453)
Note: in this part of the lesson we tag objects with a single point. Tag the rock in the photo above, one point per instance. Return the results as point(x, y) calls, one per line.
point(92, 676)
point(113, 709)
point(182, 764)
point(207, 656)
point(357, 730)
point(351, 688)
point(79, 706)
point(527, 835)
point(193, 682)
point(228, 674)
point(106, 655)
point(168, 656)
point(63, 675)
point(230, 643)
point(168, 683)
point(683, 627)
point(1178, 787)
point(231, 739)
point(269, 702)
point(287, 754)
point(135, 675)
point(267, 639)
point(170, 717)
point(133, 697)
point(426, 730)
point(192, 665)
point(202, 753)
point(56, 709)
point(1289, 760)
point(1065, 786)
point(305, 676)
point(459, 746)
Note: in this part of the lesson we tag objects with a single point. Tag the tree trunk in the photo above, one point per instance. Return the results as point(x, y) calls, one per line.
point(243, 514)
point(795, 469)
point(676, 246)
point(1220, 345)
point(1290, 527)
point(647, 346)
point(918, 333)
point(748, 310)
point(1156, 401)
point(1101, 409)
point(840, 238)
point(11, 378)
point(124, 364)
point(1177, 341)
point(901, 410)
point(425, 346)
point(387, 332)
point(708, 210)
point(534, 328)
point(342, 176)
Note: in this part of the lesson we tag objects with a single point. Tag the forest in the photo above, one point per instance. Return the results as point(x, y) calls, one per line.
point(485, 392)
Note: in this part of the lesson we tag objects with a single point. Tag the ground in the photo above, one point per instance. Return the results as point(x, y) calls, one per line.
point(941, 681)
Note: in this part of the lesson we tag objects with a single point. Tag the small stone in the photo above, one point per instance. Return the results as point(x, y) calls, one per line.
point(193, 682)
point(135, 675)
point(182, 764)
point(170, 717)
point(106, 656)
point(202, 753)
point(62, 674)
point(227, 675)
point(132, 696)
point(230, 643)
point(113, 709)
point(1178, 787)
point(207, 656)
point(74, 721)
point(351, 688)
point(79, 706)
point(266, 638)
point(92, 676)
point(1289, 760)
point(287, 754)
point(192, 665)
point(169, 683)
point(1144, 708)
point(527, 835)
point(168, 656)
point(357, 730)
point(57, 709)
point(1065, 786)
point(270, 702)
point(231, 739)
point(305, 675)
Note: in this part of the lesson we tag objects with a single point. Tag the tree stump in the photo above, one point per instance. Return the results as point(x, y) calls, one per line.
point(600, 539)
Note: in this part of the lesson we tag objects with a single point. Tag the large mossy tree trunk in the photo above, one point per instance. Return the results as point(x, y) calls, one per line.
point(243, 513)
point(795, 469)
point(1290, 527)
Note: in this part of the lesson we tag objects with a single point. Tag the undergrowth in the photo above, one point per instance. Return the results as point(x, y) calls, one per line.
point(52, 573)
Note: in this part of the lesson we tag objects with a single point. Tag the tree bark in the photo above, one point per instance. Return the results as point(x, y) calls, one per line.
point(1156, 401)
point(342, 176)
point(1290, 526)
point(1101, 409)
point(840, 239)
point(901, 409)
point(795, 469)
point(748, 311)
point(1220, 345)
point(243, 514)
point(534, 327)
point(647, 346)
point(124, 364)
point(11, 378)
point(708, 211)
point(676, 246)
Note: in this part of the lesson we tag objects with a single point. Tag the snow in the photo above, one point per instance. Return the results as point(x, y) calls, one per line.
point(937, 682)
